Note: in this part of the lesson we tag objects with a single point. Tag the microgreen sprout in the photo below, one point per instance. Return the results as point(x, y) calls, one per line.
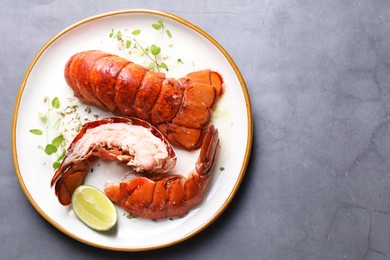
point(153, 51)
point(53, 147)
point(62, 123)
point(36, 131)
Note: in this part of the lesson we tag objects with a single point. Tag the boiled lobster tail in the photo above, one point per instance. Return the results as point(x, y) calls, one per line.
point(169, 195)
point(150, 190)
point(179, 108)
point(112, 139)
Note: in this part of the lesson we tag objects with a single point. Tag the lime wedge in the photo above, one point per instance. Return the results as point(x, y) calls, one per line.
point(94, 208)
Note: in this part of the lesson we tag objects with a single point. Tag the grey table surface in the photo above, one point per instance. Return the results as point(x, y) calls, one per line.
point(318, 181)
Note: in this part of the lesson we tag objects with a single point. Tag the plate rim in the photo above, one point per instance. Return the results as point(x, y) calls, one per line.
point(249, 132)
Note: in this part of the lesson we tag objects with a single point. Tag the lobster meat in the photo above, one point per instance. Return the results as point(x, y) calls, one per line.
point(125, 140)
point(151, 191)
point(179, 108)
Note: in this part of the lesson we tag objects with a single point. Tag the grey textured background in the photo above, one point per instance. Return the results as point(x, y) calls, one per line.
point(318, 183)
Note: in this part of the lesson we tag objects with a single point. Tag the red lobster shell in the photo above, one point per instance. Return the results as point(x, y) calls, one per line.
point(107, 139)
point(151, 192)
point(180, 109)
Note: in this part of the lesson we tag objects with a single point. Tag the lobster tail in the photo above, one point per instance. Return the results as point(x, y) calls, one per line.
point(113, 139)
point(180, 108)
point(169, 195)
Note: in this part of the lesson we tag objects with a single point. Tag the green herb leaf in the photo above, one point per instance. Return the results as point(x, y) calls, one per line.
point(136, 32)
point(56, 124)
point(128, 44)
point(119, 35)
point(152, 66)
point(156, 26)
point(155, 50)
point(61, 156)
point(111, 33)
point(169, 33)
point(36, 131)
point(56, 165)
point(43, 116)
point(50, 149)
point(57, 141)
point(164, 66)
point(56, 103)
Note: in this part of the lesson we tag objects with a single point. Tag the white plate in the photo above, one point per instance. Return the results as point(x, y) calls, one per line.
point(44, 77)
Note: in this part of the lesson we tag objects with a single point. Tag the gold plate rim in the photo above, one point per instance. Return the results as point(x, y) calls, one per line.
point(113, 13)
